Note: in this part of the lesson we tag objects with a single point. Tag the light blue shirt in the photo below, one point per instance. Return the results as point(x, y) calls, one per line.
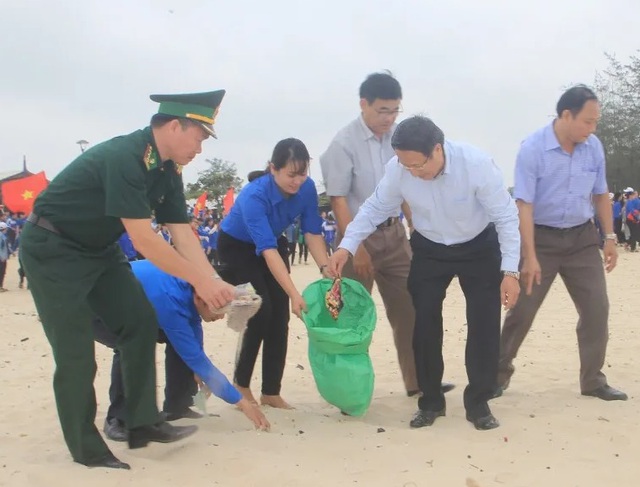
point(559, 185)
point(453, 208)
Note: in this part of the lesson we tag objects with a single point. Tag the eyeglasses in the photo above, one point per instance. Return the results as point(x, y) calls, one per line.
point(416, 166)
point(383, 113)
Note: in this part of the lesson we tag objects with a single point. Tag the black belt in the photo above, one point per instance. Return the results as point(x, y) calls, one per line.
point(41, 222)
point(389, 222)
point(558, 229)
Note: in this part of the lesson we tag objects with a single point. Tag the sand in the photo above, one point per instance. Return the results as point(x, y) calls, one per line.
point(549, 434)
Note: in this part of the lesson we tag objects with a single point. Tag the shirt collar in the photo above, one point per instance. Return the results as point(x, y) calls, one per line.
point(551, 141)
point(448, 158)
point(368, 134)
point(275, 195)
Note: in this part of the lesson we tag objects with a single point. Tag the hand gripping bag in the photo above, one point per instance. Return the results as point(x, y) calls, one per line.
point(339, 348)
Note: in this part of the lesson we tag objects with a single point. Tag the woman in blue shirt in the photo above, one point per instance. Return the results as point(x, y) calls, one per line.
point(251, 248)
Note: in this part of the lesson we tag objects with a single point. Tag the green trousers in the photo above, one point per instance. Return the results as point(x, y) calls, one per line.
point(70, 284)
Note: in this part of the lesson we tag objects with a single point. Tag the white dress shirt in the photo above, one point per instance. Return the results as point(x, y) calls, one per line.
point(451, 209)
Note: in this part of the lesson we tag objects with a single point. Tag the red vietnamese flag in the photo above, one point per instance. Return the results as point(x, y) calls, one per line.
point(200, 204)
point(19, 195)
point(228, 201)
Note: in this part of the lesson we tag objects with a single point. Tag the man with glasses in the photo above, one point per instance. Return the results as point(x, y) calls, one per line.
point(466, 226)
point(352, 166)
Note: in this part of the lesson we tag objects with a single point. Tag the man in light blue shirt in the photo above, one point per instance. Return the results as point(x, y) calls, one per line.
point(466, 225)
point(560, 177)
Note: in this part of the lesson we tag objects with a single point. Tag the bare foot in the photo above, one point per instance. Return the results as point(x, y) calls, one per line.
point(275, 402)
point(247, 394)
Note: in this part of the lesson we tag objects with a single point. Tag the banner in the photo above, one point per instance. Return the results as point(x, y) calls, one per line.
point(20, 194)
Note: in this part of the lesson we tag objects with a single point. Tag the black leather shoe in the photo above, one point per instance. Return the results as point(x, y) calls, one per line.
point(445, 387)
point(108, 461)
point(425, 418)
point(488, 422)
point(161, 433)
point(607, 393)
point(187, 413)
point(115, 430)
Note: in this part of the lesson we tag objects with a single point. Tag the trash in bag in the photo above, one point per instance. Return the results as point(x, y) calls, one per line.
point(339, 347)
point(333, 299)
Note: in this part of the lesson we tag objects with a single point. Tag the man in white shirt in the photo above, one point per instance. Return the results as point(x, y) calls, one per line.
point(466, 225)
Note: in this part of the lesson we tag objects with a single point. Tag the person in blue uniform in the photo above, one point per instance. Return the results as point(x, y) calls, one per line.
point(252, 249)
point(180, 314)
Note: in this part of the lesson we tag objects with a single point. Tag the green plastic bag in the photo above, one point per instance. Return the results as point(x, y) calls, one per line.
point(339, 349)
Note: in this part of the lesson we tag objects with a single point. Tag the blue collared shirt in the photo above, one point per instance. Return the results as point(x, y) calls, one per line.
point(558, 184)
point(172, 298)
point(453, 208)
point(261, 213)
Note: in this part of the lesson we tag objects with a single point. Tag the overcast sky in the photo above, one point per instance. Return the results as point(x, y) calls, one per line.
point(488, 72)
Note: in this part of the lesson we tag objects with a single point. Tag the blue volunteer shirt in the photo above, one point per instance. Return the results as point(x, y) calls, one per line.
point(172, 298)
point(127, 246)
point(558, 184)
point(213, 240)
point(617, 210)
point(632, 209)
point(261, 213)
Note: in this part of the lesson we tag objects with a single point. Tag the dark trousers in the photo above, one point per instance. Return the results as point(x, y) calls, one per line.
point(20, 273)
point(477, 265)
point(270, 326)
point(180, 386)
point(292, 251)
point(70, 284)
point(303, 251)
point(574, 254)
point(213, 257)
point(634, 230)
point(617, 228)
point(3, 271)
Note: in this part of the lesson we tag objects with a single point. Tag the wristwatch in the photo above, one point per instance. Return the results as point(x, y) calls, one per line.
point(611, 236)
point(515, 275)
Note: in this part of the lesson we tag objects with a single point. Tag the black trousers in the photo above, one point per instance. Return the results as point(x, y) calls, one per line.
point(3, 271)
point(634, 230)
point(180, 386)
point(477, 265)
point(270, 326)
point(292, 251)
point(617, 228)
point(303, 251)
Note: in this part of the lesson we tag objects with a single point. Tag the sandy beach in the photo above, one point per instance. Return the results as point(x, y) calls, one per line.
point(549, 436)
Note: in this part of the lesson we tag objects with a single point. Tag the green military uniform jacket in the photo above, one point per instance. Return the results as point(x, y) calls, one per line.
point(120, 178)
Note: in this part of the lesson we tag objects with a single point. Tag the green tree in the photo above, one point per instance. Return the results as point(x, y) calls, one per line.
point(215, 180)
point(618, 88)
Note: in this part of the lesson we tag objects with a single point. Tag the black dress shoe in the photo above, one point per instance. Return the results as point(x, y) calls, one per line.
point(108, 461)
point(115, 430)
point(425, 418)
point(445, 387)
point(607, 393)
point(187, 413)
point(161, 433)
point(488, 422)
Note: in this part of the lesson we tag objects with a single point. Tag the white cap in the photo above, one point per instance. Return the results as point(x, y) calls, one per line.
point(628, 190)
point(611, 195)
point(3, 226)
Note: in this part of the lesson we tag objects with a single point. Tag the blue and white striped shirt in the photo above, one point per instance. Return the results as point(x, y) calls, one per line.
point(559, 184)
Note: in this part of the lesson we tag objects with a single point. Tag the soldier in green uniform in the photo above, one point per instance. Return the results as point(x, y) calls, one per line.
point(76, 269)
